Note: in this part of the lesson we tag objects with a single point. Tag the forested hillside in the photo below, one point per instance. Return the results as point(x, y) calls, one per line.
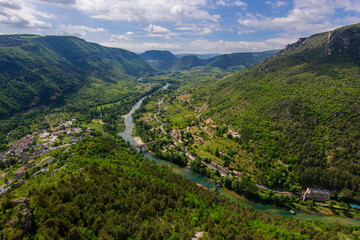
point(165, 60)
point(159, 59)
point(99, 189)
point(39, 70)
point(298, 113)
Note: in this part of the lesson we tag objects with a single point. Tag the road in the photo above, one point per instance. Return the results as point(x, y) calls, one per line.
point(212, 165)
point(274, 191)
point(156, 118)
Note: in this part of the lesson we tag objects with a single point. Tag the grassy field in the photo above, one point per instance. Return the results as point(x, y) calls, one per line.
point(180, 115)
point(95, 125)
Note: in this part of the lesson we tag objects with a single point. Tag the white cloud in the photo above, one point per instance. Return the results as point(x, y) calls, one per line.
point(60, 2)
point(307, 17)
point(18, 13)
point(130, 34)
point(115, 38)
point(142, 47)
point(77, 30)
point(145, 10)
point(193, 29)
point(123, 37)
point(205, 46)
point(277, 4)
point(221, 3)
point(240, 4)
point(227, 3)
point(155, 29)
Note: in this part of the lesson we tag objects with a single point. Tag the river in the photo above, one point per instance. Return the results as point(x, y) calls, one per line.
point(189, 174)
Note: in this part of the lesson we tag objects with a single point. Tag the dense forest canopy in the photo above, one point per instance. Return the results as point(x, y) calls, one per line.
point(296, 116)
point(38, 70)
point(106, 191)
point(299, 109)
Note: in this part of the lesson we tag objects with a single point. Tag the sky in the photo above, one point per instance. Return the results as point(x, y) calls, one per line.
point(180, 26)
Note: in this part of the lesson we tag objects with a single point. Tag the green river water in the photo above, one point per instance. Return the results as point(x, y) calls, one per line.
point(126, 135)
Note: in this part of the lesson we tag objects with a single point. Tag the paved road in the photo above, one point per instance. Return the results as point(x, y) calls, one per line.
point(275, 191)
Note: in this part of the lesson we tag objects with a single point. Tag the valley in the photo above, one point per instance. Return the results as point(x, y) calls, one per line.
point(230, 135)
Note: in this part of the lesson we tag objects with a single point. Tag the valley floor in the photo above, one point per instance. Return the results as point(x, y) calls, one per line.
point(212, 150)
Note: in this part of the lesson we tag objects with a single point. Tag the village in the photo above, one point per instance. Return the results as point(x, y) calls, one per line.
point(192, 136)
point(31, 154)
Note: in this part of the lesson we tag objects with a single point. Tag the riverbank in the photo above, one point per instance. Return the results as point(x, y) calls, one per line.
point(281, 199)
point(197, 178)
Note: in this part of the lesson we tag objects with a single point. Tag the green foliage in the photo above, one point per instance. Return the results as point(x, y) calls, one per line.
point(45, 70)
point(233, 62)
point(298, 109)
point(110, 192)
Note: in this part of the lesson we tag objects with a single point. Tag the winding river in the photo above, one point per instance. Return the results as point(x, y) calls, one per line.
point(126, 135)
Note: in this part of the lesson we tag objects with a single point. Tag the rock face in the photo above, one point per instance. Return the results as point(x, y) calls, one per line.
point(159, 59)
point(290, 47)
point(344, 40)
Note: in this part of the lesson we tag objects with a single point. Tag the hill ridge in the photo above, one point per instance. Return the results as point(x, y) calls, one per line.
point(237, 60)
point(36, 68)
point(298, 111)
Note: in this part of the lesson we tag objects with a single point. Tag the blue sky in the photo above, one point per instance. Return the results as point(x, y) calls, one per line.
point(186, 26)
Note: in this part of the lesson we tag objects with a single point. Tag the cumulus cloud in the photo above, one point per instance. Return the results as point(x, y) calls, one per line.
point(145, 11)
point(122, 37)
point(240, 4)
point(155, 29)
point(307, 17)
point(194, 29)
point(19, 13)
point(115, 38)
point(227, 3)
point(204, 46)
point(7, 4)
point(60, 2)
point(276, 3)
point(76, 30)
point(142, 47)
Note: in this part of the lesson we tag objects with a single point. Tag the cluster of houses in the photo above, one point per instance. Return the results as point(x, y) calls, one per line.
point(208, 126)
point(176, 134)
point(224, 171)
point(20, 149)
point(27, 149)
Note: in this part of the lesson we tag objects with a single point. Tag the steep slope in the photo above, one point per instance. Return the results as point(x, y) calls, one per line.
point(188, 62)
point(99, 189)
point(165, 60)
point(39, 70)
point(299, 112)
point(159, 59)
point(201, 56)
point(242, 60)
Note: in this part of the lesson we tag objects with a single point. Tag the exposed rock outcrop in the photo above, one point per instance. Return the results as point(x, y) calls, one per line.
point(344, 40)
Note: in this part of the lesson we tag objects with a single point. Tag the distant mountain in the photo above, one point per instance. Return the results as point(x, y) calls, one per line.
point(188, 62)
point(201, 56)
point(159, 59)
point(298, 112)
point(40, 69)
point(165, 60)
point(240, 59)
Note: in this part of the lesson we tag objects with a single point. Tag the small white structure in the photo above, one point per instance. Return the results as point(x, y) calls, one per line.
point(44, 135)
